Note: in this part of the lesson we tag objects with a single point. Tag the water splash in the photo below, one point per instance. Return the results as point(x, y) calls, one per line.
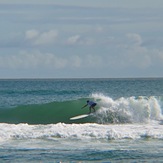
point(128, 110)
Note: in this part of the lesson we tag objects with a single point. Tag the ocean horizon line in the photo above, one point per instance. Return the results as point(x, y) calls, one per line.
point(84, 78)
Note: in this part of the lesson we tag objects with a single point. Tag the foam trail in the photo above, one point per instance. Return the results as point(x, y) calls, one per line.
point(128, 110)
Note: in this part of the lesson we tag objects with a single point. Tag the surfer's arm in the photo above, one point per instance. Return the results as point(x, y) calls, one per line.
point(84, 106)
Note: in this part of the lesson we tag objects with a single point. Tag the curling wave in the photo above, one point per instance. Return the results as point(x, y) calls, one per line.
point(122, 110)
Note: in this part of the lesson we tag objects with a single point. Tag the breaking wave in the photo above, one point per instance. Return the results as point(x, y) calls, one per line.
point(123, 110)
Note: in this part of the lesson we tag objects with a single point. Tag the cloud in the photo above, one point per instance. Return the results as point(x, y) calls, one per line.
point(73, 39)
point(138, 55)
point(80, 40)
point(76, 61)
point(130, 53)
point(31, 34)
point(135, 38)
point(133, 54)
point(37, 38)
point(30, 60)
point(37, 60)
point(94, 60)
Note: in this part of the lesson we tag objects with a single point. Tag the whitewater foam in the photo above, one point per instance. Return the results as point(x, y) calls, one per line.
point(128, 110)
point(80, 131)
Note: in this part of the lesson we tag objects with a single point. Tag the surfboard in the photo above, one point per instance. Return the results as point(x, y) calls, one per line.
point(79, 116)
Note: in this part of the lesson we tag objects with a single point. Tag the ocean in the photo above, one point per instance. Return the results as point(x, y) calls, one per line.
point(126, 127)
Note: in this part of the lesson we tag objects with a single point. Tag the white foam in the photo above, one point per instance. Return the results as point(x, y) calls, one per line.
point(125, 110)
point(80, 131)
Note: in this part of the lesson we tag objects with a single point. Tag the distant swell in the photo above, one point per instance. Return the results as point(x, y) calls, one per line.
point(122, 110)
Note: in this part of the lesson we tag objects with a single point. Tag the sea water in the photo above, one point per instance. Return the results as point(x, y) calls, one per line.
point(126, 127)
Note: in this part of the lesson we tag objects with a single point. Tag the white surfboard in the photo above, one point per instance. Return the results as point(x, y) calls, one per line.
point(79, 116)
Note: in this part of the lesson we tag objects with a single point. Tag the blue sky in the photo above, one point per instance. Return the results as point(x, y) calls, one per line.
point(80, 39)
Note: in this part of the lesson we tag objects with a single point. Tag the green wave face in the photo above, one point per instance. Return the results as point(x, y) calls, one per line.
point(54, 112)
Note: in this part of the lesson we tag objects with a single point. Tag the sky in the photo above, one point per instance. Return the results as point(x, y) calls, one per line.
point(81, 39)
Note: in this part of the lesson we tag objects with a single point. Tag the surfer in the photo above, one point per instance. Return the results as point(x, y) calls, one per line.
point(91, 105)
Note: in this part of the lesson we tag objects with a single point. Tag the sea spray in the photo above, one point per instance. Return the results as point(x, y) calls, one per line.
point(128, 110)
